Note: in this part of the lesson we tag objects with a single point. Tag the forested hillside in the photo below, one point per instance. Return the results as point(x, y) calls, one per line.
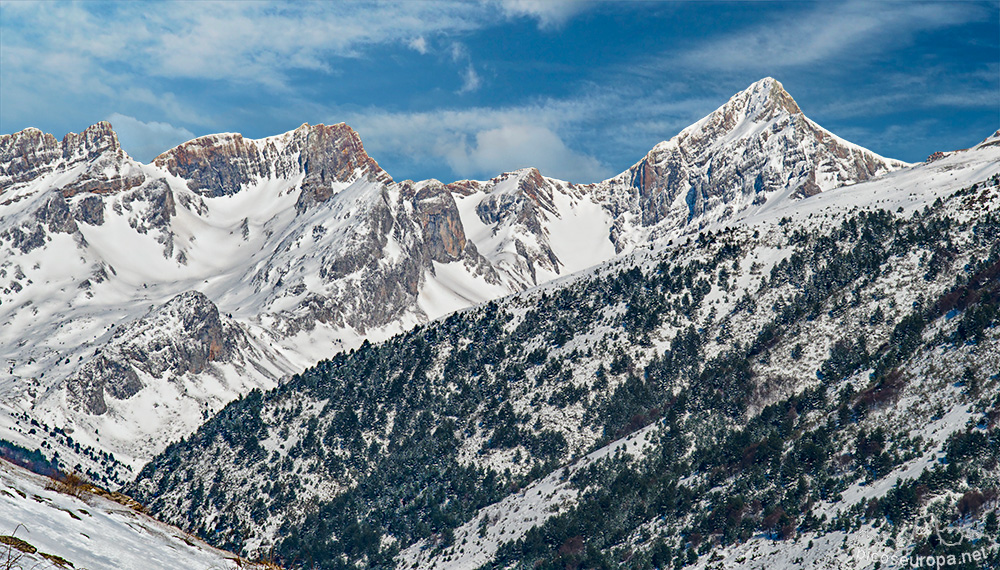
point(799, 375)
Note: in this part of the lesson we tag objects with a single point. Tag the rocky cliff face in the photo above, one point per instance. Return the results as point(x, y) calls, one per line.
point(221, 165)
point(29, 154)
point(440, 222)
point(331, 154)
point(26, 155)
point(185, 335)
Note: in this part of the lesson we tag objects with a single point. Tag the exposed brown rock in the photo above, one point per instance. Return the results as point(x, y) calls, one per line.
point(465, 187)
point(444, 236)
point(28, 154)
point(25, 155)
point(220, 165)
point(331, 154)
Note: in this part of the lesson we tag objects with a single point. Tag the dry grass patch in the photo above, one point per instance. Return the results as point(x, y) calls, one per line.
point(58, 561)
point(120, 498)
point(264, 564)
point(70, 484)
point(75, 485)
point(18, 544)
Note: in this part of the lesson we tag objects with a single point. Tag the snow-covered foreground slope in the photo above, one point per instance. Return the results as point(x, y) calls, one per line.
point(59, 530)
point(304, 247)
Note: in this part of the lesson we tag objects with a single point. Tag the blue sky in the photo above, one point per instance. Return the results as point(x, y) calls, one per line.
point(580, 89)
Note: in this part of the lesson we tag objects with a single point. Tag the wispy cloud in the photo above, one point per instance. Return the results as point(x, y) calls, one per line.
point(470, 78)
point(931, 87)
point(250, 42)
point(549, 13)
point(418, 44)
point(825, 32)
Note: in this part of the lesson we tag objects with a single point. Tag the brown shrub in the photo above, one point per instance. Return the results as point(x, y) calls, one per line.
point(71, 484)
point(885, 391)
point(971, 503)
point(772, 520)
point(572, 546)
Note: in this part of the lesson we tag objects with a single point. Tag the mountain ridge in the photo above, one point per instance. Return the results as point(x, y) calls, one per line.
point(281, 233)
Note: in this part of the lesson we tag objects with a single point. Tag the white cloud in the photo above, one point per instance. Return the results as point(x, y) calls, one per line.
point(144, 141)
point(253, 42)
point(549, 13)
point(517, 146)
point(483, 142)
point(132, 57)
point(418, 44)
point(470, 79)
point(459, 52)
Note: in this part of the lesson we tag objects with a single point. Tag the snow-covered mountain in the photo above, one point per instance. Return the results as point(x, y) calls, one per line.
point(811, 384)
point(756, 148)
point(119, 281)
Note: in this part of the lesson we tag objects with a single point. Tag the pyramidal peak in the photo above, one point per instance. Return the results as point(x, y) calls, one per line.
point(756, 147)
point(763, 102)
point(769, 95)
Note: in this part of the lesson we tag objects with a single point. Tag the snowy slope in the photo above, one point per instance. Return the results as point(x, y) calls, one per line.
point(91, 531)
point(933, 408)
point(354, 435)
point(280, 234)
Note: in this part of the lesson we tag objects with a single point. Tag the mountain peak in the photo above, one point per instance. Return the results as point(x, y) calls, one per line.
point(219, 165)
point(30, 153)
point(770, 94)
point(762, 101)
point(94, 140)
point(756, 146)
point(322, 142)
